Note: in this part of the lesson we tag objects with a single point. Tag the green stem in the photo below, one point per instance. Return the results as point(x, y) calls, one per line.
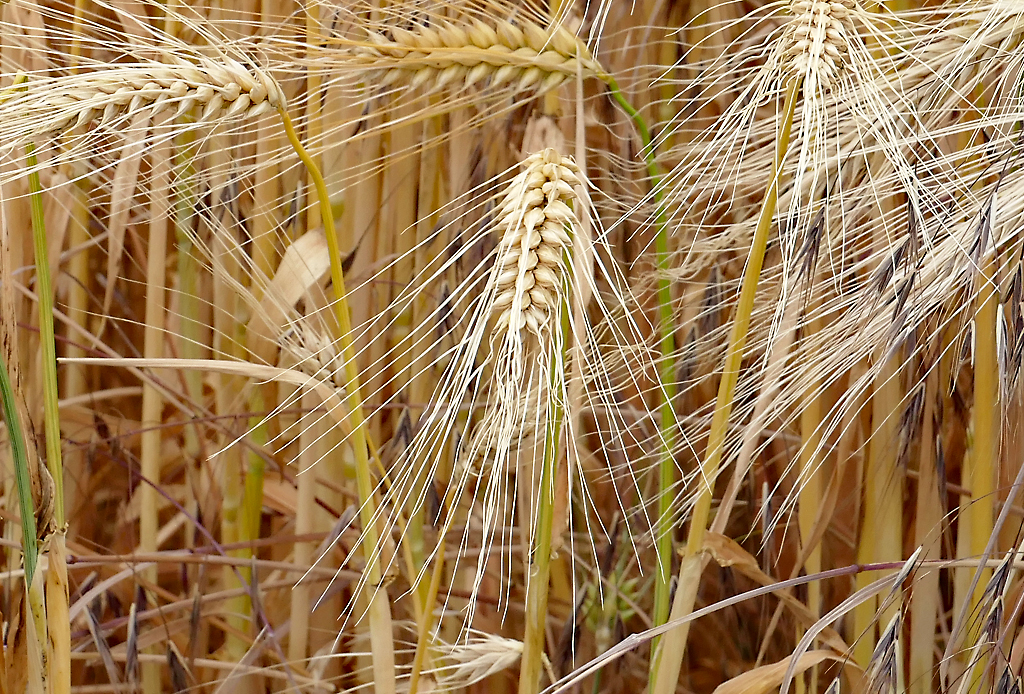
point(379, 611)
point(540, 570)
point(423, 641)
point(667, 372)
point(666, 663)
point(22, 479)
point(44, 292)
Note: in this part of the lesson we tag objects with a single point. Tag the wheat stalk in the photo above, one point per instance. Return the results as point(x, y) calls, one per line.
point(812, 47)
point(520, 55)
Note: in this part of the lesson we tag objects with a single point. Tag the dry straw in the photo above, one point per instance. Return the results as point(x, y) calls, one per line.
point(496, 313)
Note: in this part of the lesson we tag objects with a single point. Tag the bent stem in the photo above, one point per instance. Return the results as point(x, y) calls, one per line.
point(667, 372)
point(668, 658)
point(378, 609)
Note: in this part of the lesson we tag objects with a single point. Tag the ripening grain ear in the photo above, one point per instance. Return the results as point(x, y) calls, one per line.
point(818, 41)
point(223, 89)
point(534, 219)
point(522, 56)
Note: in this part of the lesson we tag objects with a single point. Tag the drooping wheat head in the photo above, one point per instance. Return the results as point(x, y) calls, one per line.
point(223, 88)
point(521, 55)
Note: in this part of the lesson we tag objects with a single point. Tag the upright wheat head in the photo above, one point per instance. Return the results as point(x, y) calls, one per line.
point(818, 37)
point(534, 219)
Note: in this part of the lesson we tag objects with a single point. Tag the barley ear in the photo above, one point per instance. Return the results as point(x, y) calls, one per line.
point(518, 55)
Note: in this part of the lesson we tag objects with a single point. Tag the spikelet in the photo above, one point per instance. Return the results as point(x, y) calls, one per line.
point(476, 659)
point(818, 36)
point(522, 56)
point(314, 354)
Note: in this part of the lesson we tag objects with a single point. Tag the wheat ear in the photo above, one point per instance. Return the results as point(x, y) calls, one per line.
point(530, 285)
point(534, 220)
point(527, 284)
point(813, 45)
point(222, 88)
point(520, 55)
point(476, 659)
point(817, 41)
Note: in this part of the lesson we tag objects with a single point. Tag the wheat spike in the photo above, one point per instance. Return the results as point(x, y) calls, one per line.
point(818, 38)
point(523, 55)
point(534, 217)
point(222, 88)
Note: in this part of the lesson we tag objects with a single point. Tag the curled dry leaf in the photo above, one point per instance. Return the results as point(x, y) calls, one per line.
point(304, 263)
point(727, 553)
point(766, 678)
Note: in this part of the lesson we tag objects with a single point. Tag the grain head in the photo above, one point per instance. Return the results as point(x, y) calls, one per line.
point(520, 55)
point(818, 41)
point(534, 219)
point(476, 659)
point(222, 89)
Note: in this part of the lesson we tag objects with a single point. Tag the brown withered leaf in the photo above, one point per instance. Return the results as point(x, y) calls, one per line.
point(767, 678)
point(726, 552)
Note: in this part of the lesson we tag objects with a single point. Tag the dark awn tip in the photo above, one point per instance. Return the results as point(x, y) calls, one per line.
point(179, 675)
point(403, 431)
point(997, 583)
point(348, 260)
point(435, 505)
point(1006, 682)
point(884, 273)
point(983, 235)
point(712, 302)
point(886, 648)
point(811, 248)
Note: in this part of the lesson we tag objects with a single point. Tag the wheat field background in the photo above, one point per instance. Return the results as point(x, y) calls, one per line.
point(494, 346)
